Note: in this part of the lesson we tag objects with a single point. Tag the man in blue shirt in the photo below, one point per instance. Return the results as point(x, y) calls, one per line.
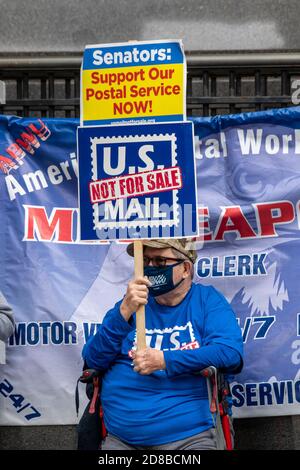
point(154, 398)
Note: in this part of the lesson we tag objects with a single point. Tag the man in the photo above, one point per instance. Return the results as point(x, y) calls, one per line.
point(154, 398)
point(6, 319)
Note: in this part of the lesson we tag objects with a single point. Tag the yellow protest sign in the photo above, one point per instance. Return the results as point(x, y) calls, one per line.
point(135, 82)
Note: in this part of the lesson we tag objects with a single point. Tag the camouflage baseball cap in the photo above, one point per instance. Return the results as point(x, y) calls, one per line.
point(183, 245)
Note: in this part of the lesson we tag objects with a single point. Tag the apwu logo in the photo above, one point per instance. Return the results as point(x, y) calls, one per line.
point(27, 143)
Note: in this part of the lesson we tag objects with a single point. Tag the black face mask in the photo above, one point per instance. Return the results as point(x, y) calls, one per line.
point(161, 279)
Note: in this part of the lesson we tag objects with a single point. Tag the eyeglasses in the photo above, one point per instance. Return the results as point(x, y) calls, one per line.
point(159, 261)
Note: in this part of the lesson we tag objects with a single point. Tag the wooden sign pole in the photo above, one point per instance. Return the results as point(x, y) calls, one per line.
point(140, 313)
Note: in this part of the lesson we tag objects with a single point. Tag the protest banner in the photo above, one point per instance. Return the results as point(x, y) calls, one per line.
point(60, 289)
point(133, 81)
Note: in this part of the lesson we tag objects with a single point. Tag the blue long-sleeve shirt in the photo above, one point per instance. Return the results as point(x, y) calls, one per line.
point(168, 405)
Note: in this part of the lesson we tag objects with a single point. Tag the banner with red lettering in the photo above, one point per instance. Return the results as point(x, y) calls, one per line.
point(248, 194)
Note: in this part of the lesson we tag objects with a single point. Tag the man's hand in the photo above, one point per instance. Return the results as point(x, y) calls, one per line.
point(136, 295)
point(148, 360)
